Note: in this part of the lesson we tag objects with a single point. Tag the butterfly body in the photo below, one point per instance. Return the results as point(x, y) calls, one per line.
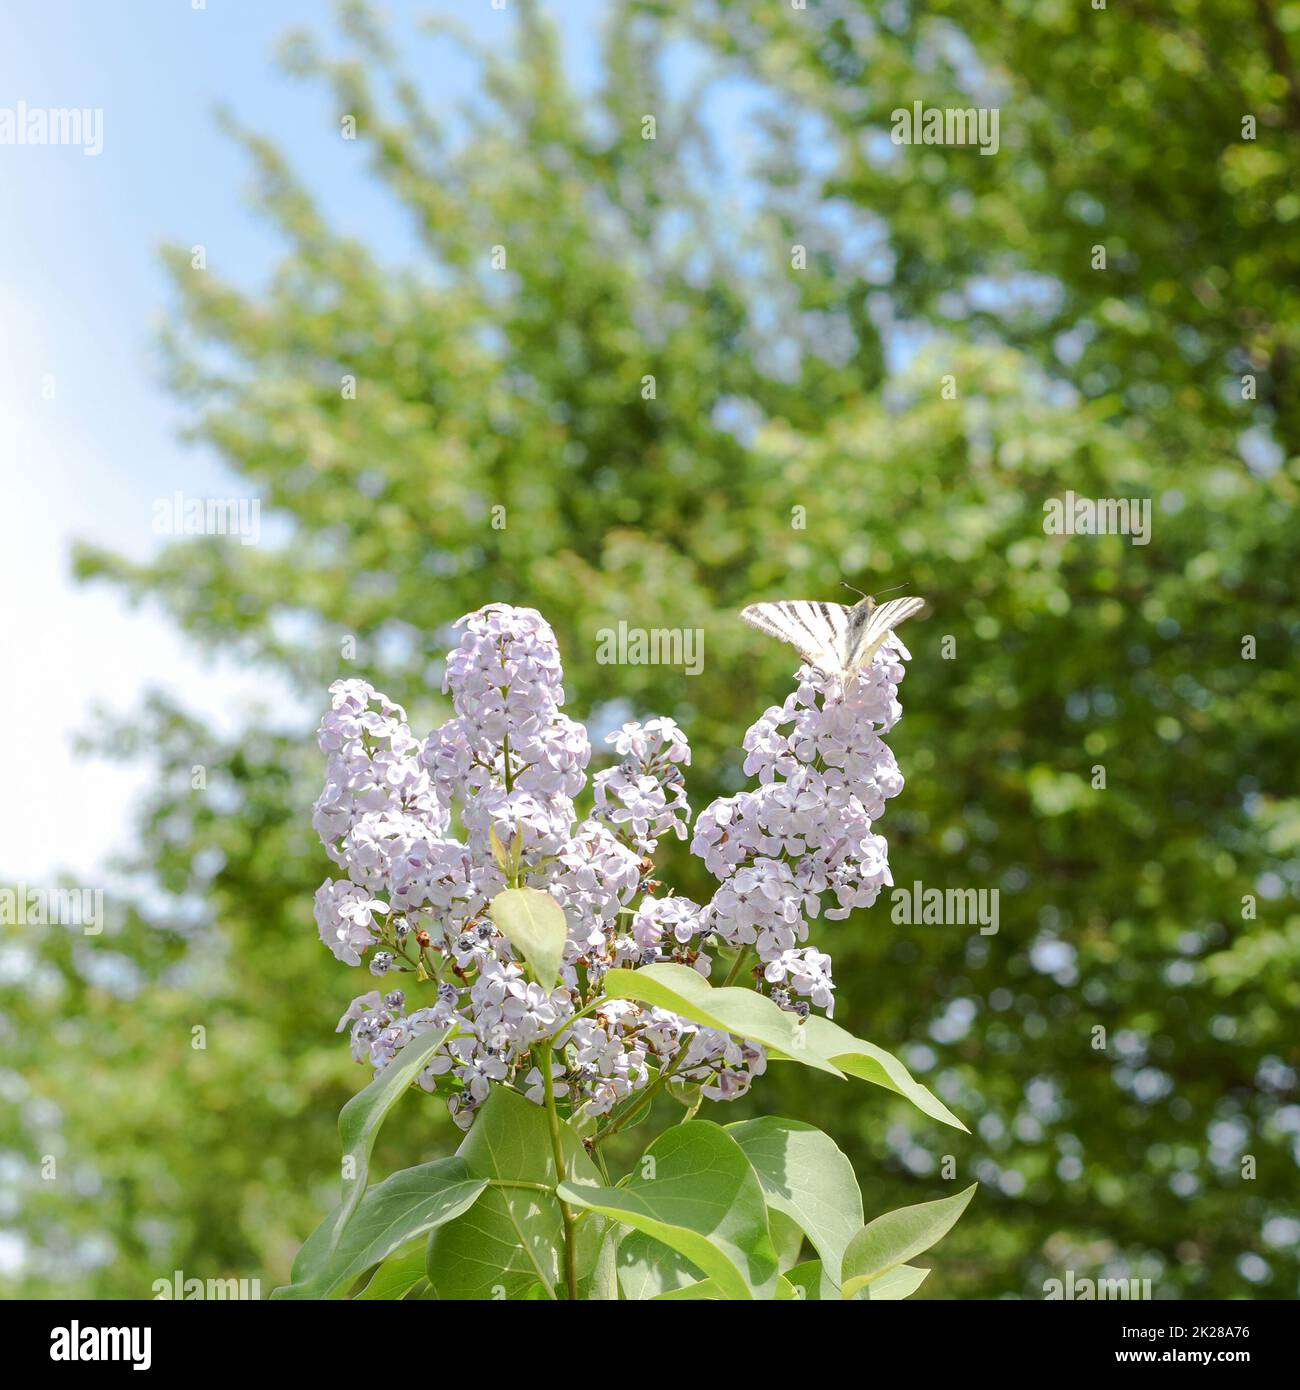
point(835, 638)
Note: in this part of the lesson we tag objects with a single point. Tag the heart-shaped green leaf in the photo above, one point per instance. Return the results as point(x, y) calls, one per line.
point(695, 1191)
point(648, 1268)
point(806, 1176)
point(511, 1238)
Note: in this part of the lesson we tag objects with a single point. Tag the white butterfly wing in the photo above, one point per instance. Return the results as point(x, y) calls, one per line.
point(817, 631)
point(879, 624)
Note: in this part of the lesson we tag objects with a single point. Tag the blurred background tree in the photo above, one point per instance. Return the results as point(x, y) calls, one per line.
point(681, 413)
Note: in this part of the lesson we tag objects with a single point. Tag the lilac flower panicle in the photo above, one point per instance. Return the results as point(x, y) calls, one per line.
point(412, 825)
point(644, 797)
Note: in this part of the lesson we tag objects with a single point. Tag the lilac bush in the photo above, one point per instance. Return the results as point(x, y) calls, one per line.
point(511, 762)
point(544, 964)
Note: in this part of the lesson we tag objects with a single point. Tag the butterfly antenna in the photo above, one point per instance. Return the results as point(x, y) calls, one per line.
point(875, 596)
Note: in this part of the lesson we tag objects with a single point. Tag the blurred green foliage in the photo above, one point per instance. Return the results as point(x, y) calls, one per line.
point(781, 396)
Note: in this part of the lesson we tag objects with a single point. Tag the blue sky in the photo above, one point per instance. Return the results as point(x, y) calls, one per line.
point(81, 296)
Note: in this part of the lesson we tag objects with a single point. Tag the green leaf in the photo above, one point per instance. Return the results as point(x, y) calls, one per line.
point(874, 1064)
point(398, 1276)
point(408, 1204)
point(695, 1191)
point(603, 1284)
point(806, 1176)
point(787, 1237)
point(807, 1280)
point(739, 1011)
point(513, 1236)
point(359, 1124)
point(533, 923)
point(707, 1289)
point(900, 1282)
point(689, 1094)
point(894, 1238)
point(648, 1268)
point(701, 1289)
point(498, 849)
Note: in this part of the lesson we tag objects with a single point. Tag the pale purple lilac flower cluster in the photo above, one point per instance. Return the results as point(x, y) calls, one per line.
point(412, 825)
point(805, 832)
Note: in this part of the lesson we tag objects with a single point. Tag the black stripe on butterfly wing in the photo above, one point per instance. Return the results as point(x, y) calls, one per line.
point(898, 610)
point(769, 618)
point(826, 623)
point(796, 621)
point(857, 619)
point(880, 624)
